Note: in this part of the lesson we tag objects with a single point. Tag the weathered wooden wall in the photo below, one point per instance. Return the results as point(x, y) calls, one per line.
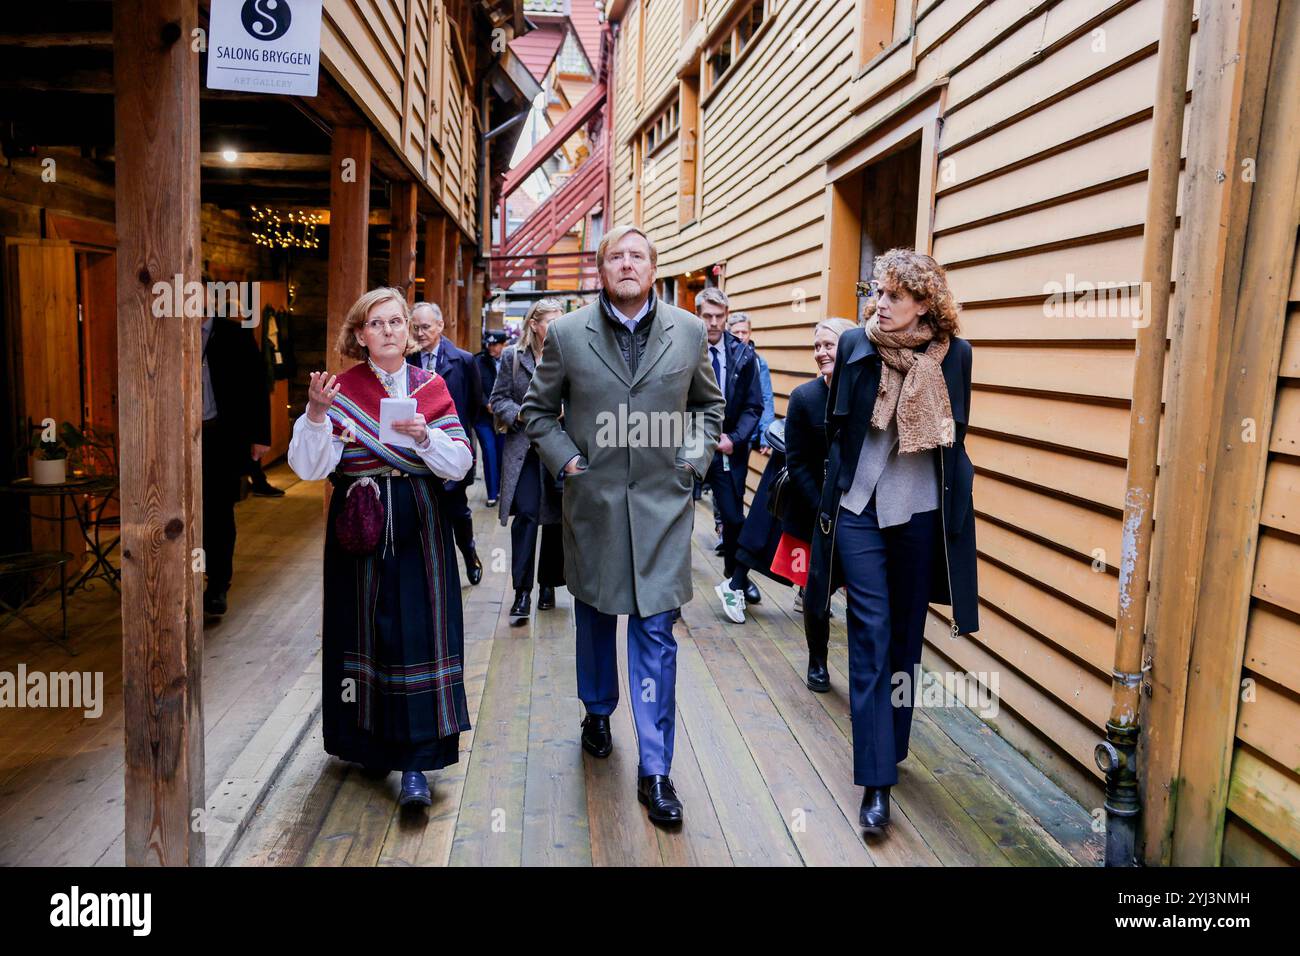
point(1039, 173)
point(408, 64)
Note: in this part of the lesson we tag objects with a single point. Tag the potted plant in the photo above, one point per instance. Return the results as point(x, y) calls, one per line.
point(50, 466)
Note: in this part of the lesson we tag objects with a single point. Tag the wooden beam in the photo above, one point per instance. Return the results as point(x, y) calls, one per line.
point(348, 233)
point(41, 41)
point(435, 259)
point(1231, 70)
point(451, 248)
point(160, 393)
point(1258, 319)
point(295, 162)
point(402, 241)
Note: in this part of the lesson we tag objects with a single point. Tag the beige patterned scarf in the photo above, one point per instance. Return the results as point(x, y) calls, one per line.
point(912, 388)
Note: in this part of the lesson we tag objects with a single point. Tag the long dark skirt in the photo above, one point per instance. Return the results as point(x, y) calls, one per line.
point(761, 532)
point(382, 704)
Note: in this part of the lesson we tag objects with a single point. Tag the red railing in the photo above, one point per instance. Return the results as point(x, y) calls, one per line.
point(555, 271)
point(563, 209)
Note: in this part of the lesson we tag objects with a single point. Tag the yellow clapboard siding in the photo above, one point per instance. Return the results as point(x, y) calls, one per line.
point(1281, 505)
point(1067, 627)
point(1097, 481)
point(1038, 275)
point(1267, 799)
point(1270, 723)
point(1027, 320)
point(1069, 575)
point(1127, 33)
point(1102, 429)
point(1290, 364)
point(1099, 372)
point(1273, 646)
point(1068, 525)
point(1277, 571)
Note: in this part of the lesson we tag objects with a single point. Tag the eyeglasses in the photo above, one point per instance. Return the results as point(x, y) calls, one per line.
point(378, 325)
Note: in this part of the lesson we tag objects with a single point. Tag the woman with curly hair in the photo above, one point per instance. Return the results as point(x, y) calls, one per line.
point(895, 524)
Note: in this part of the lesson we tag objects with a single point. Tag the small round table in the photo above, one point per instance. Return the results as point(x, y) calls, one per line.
point(82, 492)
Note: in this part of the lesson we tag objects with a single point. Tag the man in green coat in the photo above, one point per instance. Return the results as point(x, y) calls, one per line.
point(625, 406)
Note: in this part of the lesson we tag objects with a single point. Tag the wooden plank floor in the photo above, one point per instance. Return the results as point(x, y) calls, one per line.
point(61, 773)
point(763, 765)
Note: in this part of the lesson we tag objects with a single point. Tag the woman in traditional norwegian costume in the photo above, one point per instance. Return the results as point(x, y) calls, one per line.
point(394, 697)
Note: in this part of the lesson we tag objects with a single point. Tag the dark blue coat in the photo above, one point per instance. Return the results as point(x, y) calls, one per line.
point(463, 382)
point(848, 415)
point(744, 408)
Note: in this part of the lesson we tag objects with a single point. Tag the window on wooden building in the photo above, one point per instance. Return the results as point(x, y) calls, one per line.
point(733, 41)
point(875, 28)
point(688, 152)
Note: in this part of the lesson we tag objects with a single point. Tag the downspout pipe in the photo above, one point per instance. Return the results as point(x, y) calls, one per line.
point(1116, 756)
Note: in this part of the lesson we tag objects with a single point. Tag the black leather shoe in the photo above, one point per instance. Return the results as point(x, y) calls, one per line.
point(214, 602)
point(660, 799)
point(819, 678)
point(596, 737)
point(520, 609)
point(473, 568)
point(267, 490)
point(415, 790)
point(545, 598)
point(752, 594)
point(874, 815)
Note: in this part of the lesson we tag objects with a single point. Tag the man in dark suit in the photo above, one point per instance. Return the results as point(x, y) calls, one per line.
point(236, 432)
point(456, 366)
point(736, 368)
point(490, 440)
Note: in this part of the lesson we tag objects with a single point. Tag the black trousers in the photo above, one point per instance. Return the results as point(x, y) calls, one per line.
point(525, 530)
point(728, 498)
point(224, 463)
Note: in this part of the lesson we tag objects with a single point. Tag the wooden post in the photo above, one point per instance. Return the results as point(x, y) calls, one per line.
point(349, 221)
point(1254, 345)
point(450, 293)
point(156, 109)
point(1231, 70)
point(402, 236)
point(435, 259)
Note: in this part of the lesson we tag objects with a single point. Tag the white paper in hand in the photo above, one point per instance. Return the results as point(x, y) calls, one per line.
point(395, 410)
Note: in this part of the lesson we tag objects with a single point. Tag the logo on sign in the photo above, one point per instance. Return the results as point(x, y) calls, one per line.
point(266, 19)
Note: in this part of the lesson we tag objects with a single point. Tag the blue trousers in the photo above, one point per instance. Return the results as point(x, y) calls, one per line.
point(651, 677)
point(490, 443)
point(887, 580)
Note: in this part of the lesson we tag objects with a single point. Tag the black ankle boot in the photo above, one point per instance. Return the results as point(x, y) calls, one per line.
point(520, 609)
point(545, 598)
point(819, 678)
point(874, 815)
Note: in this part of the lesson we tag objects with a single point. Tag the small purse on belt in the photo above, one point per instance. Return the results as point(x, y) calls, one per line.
point(360, 525)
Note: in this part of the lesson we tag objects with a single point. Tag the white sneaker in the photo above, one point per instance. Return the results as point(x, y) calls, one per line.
point(798, 601)
point(733, 602)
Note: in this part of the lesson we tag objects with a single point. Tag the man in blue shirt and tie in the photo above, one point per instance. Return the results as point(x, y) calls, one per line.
point(736, 369)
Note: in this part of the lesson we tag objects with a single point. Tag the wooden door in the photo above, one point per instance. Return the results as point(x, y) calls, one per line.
point(41, 279)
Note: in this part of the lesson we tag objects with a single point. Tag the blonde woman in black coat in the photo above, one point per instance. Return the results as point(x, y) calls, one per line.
point(527, 492)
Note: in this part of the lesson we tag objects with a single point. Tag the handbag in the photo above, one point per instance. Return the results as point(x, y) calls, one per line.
point(360, 524)
point(778, 493)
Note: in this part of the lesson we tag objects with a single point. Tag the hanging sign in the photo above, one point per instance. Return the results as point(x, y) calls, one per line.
point(264, 46)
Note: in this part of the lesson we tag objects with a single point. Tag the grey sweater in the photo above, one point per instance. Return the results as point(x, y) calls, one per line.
point(904, 484)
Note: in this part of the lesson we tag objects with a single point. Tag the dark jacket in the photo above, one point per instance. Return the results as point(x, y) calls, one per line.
point(487, 377)
point(805, 454)
point(239, 383)
point(848, 414)
point(466, 390)
point(744, 405)
point(507, 396)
